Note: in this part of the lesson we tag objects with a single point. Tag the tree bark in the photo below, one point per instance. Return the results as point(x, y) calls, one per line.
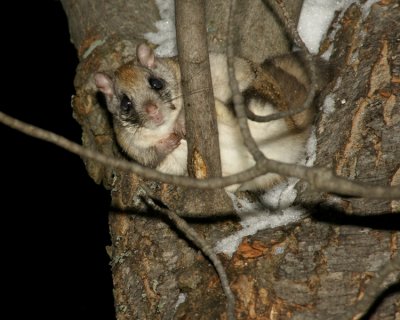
point(201, 131)
point(197, 91)
point(360, 139)
point(311, 270)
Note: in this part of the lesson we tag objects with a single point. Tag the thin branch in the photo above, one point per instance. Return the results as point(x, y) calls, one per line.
point(292, 31)
point(283, 114)
point(203, 245)
point(320, 178)
point(291, 27)
point(237, 97)
point(373, 290)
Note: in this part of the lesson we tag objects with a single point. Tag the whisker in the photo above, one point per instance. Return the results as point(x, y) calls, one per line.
point(171, 99)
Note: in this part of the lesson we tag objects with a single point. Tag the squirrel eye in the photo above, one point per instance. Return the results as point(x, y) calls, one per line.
point(126, 104)
point(156, 83)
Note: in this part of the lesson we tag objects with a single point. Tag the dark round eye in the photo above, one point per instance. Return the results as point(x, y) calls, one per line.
point(126, 104)
point(156, 83)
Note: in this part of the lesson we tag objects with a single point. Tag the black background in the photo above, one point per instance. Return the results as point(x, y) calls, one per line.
point(54, 217)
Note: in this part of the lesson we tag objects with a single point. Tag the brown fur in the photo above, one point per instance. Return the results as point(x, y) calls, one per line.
point(285, 83)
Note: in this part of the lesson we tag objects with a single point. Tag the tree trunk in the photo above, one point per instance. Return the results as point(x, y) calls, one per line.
point(360, 138)
point(314, 269)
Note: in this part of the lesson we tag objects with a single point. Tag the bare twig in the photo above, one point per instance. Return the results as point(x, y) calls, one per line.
point(291, 27)
point(237, 96)
point(373, 290)
point(320, 178)
point(292, 31)
point(283, 114)
point(203, 245)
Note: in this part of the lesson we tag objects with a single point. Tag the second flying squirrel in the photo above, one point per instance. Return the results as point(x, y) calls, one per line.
point(144, 97)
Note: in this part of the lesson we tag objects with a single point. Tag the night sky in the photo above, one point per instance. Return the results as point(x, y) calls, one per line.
point(54, 217)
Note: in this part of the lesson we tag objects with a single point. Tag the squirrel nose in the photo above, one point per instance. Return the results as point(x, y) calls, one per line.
point(151, 108)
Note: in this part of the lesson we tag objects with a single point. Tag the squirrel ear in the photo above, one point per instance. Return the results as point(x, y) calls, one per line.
point(104, 83)
point(145, 55)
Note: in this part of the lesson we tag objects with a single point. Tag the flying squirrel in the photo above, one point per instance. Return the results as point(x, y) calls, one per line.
point(144, 97)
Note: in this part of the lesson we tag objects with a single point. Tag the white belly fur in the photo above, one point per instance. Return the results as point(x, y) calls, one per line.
point(275, 139)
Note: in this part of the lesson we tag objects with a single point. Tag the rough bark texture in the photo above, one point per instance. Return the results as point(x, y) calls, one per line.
point(197, 91)
point(360, 139)
point(201, 131)
point(310, 270)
